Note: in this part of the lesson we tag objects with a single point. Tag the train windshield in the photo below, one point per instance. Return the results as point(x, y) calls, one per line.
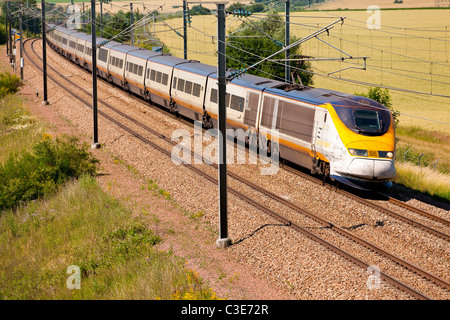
point(364, 116)
point(367, 120)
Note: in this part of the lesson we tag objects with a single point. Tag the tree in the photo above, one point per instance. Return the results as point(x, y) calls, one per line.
point(253, 41)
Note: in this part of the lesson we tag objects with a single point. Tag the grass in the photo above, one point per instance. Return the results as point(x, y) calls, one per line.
point(424, 179)
point(19, 130)
point(80, 225)
point(86, 227)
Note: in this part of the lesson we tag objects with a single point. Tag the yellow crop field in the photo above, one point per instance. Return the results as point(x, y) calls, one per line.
point(409, 51)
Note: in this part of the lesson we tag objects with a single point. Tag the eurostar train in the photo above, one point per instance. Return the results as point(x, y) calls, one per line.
point(348, 138)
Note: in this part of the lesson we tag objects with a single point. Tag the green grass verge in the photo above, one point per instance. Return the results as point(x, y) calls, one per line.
point(83, 226)
point(76, 224)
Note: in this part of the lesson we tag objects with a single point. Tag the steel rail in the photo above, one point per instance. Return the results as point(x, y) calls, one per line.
point(412, 222)
point(266, 210)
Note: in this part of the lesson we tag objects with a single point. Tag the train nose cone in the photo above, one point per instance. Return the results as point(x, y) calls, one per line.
point(384, 169)
point(372, 169)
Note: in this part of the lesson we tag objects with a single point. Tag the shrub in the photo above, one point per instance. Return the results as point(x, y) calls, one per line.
point(9, 83)
point(33, 175)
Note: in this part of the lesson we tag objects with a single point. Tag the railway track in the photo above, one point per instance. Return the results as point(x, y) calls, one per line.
point(326, 224)
point(404, 218)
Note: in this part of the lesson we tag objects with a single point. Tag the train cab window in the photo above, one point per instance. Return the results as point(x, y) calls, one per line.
point(364, 117)
point(180, 85)
point(367, 120)
point(188, 87)
point(196, 90)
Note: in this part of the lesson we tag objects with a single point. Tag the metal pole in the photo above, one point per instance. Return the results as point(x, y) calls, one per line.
point(184, 29)
point(11, 40)
point(223, 240)
point(101, 18)
point(287, 69)
point(44, 52)
point(95, 144)
point(131, 23)
point(6, 28)
point(21, 41)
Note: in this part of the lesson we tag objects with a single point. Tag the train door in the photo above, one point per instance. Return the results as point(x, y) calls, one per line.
point(251, 109)
point(320, 138)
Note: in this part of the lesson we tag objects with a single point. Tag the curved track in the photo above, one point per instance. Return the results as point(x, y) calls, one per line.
point(443, 284)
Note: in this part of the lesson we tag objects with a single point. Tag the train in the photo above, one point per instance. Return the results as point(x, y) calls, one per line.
point(344, 137)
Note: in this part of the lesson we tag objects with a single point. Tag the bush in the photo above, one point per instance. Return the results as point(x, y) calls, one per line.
point(9, 83)
point(33, 175)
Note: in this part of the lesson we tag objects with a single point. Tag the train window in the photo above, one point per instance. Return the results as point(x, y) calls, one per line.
point(297, 121)
point(267, 111)
point(102, 54)
point(174, 82)
point(153, 75)
point(158, 76)
point(165, 79)
point(141, 70)
point(72, 44)
point(227, 100)
point(237, 103)
point(64, 40)
point(188, 87)
point(180, 85)
point(214, 95)
point(121, 64)
point(196, 90)
point(367, 120)
point(135, 69)
point(365, 117)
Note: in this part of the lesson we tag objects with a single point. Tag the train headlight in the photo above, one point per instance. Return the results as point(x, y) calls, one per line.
point(386, 154)
point(358, 152)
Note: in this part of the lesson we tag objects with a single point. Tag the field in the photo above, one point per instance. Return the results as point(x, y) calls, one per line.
point(409, 52)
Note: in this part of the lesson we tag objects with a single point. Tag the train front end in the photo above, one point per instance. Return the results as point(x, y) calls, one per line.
point(367, 132)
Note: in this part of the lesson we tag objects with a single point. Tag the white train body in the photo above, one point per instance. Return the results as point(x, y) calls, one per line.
point(347, 137)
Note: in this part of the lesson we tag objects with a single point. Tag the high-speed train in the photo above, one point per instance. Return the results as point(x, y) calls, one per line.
point(342, 136)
